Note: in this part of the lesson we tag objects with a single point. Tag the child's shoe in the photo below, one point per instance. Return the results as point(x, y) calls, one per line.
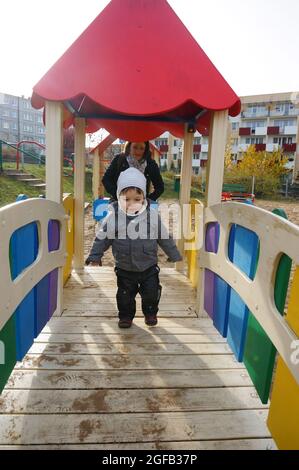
point(151, 320)
point(125, 323)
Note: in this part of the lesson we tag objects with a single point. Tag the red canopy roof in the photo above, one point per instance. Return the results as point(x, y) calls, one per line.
point(137, 62)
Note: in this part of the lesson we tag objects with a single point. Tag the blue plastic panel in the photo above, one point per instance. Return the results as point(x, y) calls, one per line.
point(23, 249)
point(243, 251)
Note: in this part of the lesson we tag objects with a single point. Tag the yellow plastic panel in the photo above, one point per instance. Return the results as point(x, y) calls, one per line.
point(68, 204)
point(283, 416)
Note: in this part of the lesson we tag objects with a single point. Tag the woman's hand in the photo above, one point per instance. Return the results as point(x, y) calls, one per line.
point(88, 262)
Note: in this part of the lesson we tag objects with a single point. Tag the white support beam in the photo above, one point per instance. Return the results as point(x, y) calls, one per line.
point(54, 150)
point(79, 193)
point(102, 172)
point(296, 162)
point(185, 185)
point(54, 170)
point(215, 168)
point(96, 174)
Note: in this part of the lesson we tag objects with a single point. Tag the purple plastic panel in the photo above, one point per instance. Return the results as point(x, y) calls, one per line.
point(53, 285)
point(209, 292)
point(53, 235)
point(212, 237)
point(211, 245)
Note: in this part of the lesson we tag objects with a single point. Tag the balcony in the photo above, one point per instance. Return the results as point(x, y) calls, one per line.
point(260, 130)
point(205, 147)
point(243, 147)
point(260, 147)
point(273, 130)
point(163, 148)
point(271, 147)
point(244, 131)
point(196, 148)
point(290, 130)
point(289, 147)
point(258, 114)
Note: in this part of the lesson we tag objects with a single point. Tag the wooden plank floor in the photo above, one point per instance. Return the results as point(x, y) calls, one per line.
point(86, 384)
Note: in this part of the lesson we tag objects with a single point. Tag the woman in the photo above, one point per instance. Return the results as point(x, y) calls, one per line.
point(136, 155)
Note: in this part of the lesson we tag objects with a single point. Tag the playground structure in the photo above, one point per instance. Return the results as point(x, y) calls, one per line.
point(17, 148)
point(239, 265)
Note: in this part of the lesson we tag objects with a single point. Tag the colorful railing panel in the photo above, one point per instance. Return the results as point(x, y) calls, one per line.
point(32, 254)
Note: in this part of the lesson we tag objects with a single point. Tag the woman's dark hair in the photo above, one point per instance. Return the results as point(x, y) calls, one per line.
point(138, 190)
point(147, 152)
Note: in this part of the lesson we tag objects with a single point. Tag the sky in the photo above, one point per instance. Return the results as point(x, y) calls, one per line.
point(253, 43)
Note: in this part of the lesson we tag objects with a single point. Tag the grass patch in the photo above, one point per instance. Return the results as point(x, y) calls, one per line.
point(10, 188)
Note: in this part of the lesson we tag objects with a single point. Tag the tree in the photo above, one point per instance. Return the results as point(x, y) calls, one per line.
point(261, 163)
point(266, 167)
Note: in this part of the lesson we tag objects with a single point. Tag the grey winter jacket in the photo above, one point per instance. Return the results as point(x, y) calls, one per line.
point(134, 240)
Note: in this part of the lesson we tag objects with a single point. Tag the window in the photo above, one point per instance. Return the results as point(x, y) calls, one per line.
point(255, 124)
point(14, 114)
point(39, 118)
point(175, 143)
point(175, 156)
point(14, 126)
point(196, 156)
point(28, 116)
point(5, 112)
point(14, 101)
point(290, 140)
point(284, 122)
point(196, 140)
point(27, 128)
point(5, 125)
point(235, 126)
point(254, 140)
point(26, 104)
point(40, 130)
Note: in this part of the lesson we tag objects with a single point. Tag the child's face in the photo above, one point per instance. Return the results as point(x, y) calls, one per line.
point(131, 201)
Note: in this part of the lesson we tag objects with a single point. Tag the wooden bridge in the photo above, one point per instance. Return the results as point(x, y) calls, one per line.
point(86, 384)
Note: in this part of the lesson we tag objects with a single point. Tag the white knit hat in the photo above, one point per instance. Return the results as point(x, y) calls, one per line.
point(131, 178)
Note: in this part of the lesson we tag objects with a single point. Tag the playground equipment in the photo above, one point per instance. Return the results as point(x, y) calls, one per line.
point(238, 261)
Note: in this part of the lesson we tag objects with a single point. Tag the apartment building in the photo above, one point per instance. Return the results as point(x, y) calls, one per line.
point(19, 121)
point(172, 149)
point(269, 122)
point(266, 121)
